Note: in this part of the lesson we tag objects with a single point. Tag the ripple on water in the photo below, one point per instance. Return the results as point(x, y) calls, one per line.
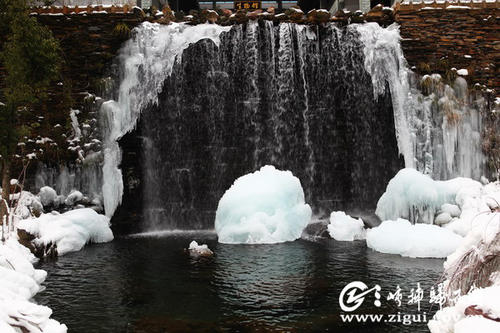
point(147, 282)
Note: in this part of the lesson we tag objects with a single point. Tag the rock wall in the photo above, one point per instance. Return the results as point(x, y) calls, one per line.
point(437, 37)
point(89, 42)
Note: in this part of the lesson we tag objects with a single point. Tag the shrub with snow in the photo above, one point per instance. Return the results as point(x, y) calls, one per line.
point(342, 227)
point(266, 206)
point(418, 240)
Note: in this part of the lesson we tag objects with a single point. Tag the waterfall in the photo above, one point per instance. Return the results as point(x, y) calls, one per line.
point(146, 60)
point(439, 132)
point(337, 106)
point(294, 96)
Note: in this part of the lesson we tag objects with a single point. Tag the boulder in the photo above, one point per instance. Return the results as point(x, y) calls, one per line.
point(442, 218)
point(318, 16)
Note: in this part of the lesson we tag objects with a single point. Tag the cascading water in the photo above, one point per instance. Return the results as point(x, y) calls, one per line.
point(293, 96)
point(146, 61)
point(336, 106)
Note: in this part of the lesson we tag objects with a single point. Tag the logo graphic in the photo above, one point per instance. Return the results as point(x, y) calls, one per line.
point(355, 299)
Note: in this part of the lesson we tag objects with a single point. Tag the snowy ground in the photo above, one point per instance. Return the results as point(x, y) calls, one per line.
point(19, 280)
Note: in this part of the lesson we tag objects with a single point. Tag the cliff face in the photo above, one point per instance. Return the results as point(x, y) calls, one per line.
point(436, 38)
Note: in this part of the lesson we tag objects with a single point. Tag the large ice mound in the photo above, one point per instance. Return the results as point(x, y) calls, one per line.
point(266, 206)
point(417, 241)
point(416, 197)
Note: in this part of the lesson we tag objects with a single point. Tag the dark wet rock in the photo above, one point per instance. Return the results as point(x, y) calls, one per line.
point(317, 229)
point(40, 250)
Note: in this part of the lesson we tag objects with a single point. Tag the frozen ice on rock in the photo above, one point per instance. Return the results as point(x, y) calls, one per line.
point(343, 227)
point(266, 206)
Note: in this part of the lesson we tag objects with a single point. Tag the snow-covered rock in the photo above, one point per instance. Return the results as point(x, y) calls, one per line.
point(73, 198)
point(418, 240)
point(342, 227)
point(19, 282)
point(475, 204)
point(199, 250)
point(27, 205)
point(266, 206)
point(452, 210)
point(442, 218)
point(69, 231)
point(48, 196)
point(416, 197)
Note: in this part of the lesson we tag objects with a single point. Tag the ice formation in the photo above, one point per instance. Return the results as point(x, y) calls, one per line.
point(417, 197)
point(19, 282)
point(418, 240)
point(151, 53)
point(69, 231)
point(439, 129)
point(342, 227)
point(266, 206)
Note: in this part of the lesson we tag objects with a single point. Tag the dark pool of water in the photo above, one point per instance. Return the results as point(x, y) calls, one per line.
point(149, 284)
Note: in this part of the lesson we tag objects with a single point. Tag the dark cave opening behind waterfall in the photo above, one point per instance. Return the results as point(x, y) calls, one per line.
point(267, 95)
